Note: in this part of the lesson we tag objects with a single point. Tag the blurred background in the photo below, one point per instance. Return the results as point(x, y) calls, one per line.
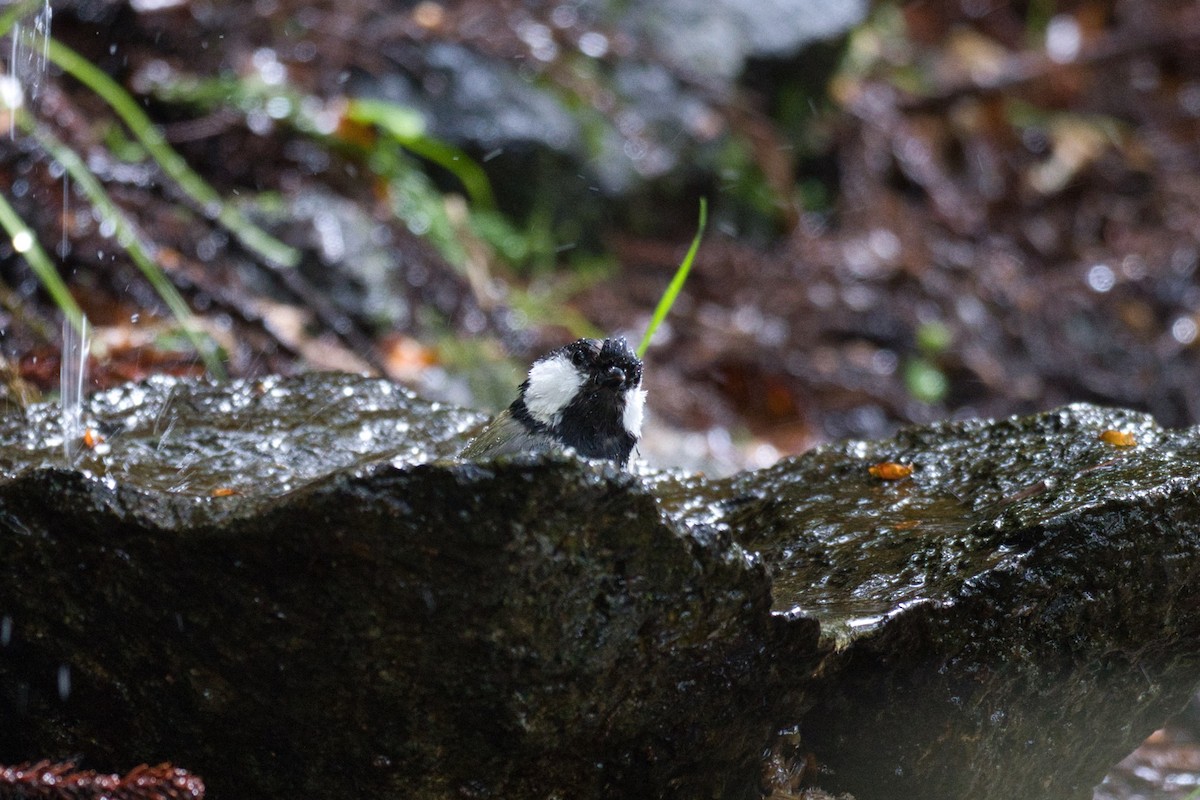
point(918, 211)
point(922, 210)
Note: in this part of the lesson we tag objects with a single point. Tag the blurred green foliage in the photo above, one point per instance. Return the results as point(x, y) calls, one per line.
point(923, 377)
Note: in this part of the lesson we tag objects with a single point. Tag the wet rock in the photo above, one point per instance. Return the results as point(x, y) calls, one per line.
point(372, 271)
point(623, 93)
point(716, 38)
point(250, 439)
point(287, 587)
point(474, 99)
point(275, 585)
point(1009, 621)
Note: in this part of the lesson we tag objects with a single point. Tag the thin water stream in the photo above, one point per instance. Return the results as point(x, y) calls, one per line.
point(28, 53)
point(72, 379)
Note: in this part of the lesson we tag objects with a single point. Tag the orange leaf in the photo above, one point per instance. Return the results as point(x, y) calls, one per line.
point(890, 470)
point(1118, 438)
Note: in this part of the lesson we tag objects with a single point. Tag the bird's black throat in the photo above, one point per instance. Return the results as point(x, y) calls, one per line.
point(591, 425)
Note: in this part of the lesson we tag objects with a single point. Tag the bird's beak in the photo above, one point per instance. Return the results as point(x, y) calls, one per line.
point(615, 376)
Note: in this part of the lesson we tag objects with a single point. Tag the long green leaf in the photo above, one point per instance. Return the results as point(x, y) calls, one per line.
point(673, 289)
point(25, 242)
point(127, 237)
point(173, 164)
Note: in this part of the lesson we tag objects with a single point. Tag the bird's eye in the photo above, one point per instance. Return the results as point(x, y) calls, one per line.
point(578, 358)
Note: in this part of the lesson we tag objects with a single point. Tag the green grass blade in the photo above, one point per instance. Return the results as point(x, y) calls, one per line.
point(457, 163)
point(25, 242)
point(126, 236)
point(407, 128)
point(673, 289)
point(173, 165)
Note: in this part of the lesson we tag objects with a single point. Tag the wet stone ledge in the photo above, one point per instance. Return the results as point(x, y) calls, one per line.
point(282, 586)
point(1009, 621)
point(289, 587)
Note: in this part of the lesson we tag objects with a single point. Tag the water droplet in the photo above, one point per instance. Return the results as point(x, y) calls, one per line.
point(419, 224)
point(593, 44)
point(884, 362)
point(1063, 38)
point(1100, 278)
point(884, 243)
point(64, 681)
point(279, 108)
point(1183, 330)
point(635, 149)
point(258, 122)
point(539, 39)
point(1189, 98)
point(564, 16)
point(22, 242)
point(12, 96)
point(207, 248)
point(269, 69)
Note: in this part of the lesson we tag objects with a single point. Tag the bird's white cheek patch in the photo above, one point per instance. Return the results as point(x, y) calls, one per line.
point(553, 383)
point(635, 407)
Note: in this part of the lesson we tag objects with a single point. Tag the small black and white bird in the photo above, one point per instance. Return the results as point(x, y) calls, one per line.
point(586, 396)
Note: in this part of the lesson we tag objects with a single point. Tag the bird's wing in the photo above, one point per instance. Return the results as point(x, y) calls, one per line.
point(504, 435)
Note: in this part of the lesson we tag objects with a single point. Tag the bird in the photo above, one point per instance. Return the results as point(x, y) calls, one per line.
point(586, 396)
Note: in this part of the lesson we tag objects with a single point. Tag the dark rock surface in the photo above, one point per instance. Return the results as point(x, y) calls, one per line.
point(288, 588)
point(1010, 621)
point(532, 628)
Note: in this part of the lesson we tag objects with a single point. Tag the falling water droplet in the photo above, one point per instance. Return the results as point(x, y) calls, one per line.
point(14, 80)
point(64, 681)
point(63, 249)
point(41, 34)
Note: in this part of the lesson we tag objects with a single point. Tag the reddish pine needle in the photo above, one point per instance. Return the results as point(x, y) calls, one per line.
point(63, 780)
